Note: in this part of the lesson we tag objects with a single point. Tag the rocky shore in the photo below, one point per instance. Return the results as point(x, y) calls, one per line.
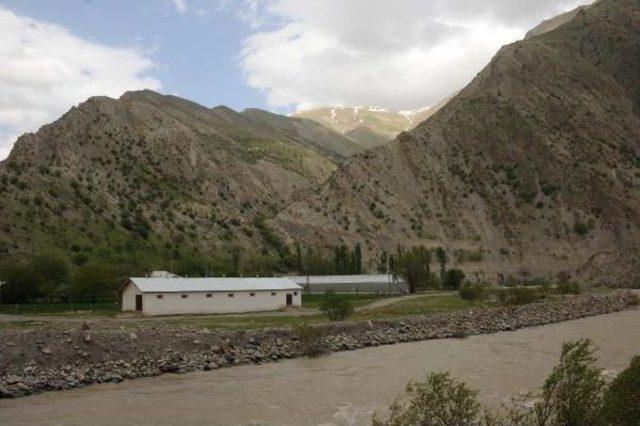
point(39, 360)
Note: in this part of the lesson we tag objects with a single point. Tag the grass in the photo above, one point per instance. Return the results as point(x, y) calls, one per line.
point(313, 301)
point(426, 305)
point(100, 308)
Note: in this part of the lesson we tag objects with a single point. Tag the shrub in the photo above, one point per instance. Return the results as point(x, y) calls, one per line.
point(471, 292)
point(568, 287)
point(572, 394)
point(634, 298)
point(310, 339)
point(336, 307)
point(620, 406)
point(440, 400)
point(453, 278)
point(520, 296)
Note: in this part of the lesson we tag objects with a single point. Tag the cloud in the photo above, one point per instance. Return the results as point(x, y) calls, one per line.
point(180, 5)
point(45, 70)
point(399, 54)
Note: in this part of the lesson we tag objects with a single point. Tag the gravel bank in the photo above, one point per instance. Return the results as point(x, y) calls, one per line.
point(35, 361)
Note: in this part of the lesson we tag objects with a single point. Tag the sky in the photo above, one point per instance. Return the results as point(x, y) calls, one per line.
point(280, 55)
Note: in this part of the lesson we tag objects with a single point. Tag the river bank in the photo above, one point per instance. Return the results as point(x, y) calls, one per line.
point(38, 360)
point(341, 389)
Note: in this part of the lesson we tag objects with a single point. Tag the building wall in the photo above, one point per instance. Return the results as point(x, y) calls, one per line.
point(129, 297)
point(372, 288)
point(218, 303)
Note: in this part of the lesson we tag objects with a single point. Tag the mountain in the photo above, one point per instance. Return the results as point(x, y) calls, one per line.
point(368, 126)
point(533, 168)
point(158, 175)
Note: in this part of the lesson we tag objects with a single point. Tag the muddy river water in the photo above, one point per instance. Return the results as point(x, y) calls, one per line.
point(339, 389)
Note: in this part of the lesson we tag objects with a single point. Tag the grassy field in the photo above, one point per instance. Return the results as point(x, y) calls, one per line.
point(313, 301)
point(421, 305)
point(425, 305)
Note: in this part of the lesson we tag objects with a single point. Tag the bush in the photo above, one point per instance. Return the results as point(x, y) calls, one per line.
point(572, 394)
point(634, 298)
point(621, 401)
point(336, 307)
point(310, 339)
point(520, 296)
point(440, 400)
point(453, 278)
point(471, 292)
point(569, 287)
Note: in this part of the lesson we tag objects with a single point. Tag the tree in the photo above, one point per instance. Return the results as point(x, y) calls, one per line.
point(92, 282)
point(453, 278)
point(572, 394)
point(383, 263)
point(621, 404)
point(441, 255)
point(440, 400)
point(21, 284)
point(357, 254)
point(414, 267)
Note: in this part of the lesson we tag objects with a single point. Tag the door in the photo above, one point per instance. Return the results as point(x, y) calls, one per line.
point(139, 302)
point(289, 299)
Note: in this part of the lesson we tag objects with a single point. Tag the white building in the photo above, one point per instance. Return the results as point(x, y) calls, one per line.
point(169, 296)
point(375, 284)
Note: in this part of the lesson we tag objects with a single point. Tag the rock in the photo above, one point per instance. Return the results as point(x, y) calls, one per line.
point(46, 351)
point(87, 338)
point(197, 342)
point(12, 379)
point(133, 336)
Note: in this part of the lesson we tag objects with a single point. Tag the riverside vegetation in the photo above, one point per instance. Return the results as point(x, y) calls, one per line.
point(574, 394)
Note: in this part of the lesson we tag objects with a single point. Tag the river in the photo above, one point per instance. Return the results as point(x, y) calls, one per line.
point(339, 389)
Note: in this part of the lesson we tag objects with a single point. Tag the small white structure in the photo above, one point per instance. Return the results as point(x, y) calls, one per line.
point(375, 284)
point(170, 296)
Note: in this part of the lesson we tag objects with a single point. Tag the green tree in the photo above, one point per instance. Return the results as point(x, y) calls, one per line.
point(439, 401)
point(357, 254)
point(92, 282)
point(383, 263)
point(621, 406)
point(453, 278)
point(414, 267)
point(572, 394)
point(21, 284)
point(441, 255)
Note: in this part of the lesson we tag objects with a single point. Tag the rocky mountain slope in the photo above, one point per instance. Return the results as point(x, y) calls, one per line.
point(158, 175)
point(532, 169)
point(368, 126)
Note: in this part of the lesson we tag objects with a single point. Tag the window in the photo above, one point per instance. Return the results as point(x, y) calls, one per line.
point(273, 293)
point(209, 295)
point(295, 293)
point(252, 294)
point(230, 294)
point(184, 296)
point(159, 296)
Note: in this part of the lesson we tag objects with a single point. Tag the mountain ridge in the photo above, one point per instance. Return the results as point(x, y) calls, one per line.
point(518, 167)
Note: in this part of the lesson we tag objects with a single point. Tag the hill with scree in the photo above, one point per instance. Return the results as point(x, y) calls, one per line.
point(532, 169)
point(147, 177)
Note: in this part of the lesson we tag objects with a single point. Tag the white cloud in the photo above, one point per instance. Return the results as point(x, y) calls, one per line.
point(45, 70)
point(180, 5)
point(398, 54)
